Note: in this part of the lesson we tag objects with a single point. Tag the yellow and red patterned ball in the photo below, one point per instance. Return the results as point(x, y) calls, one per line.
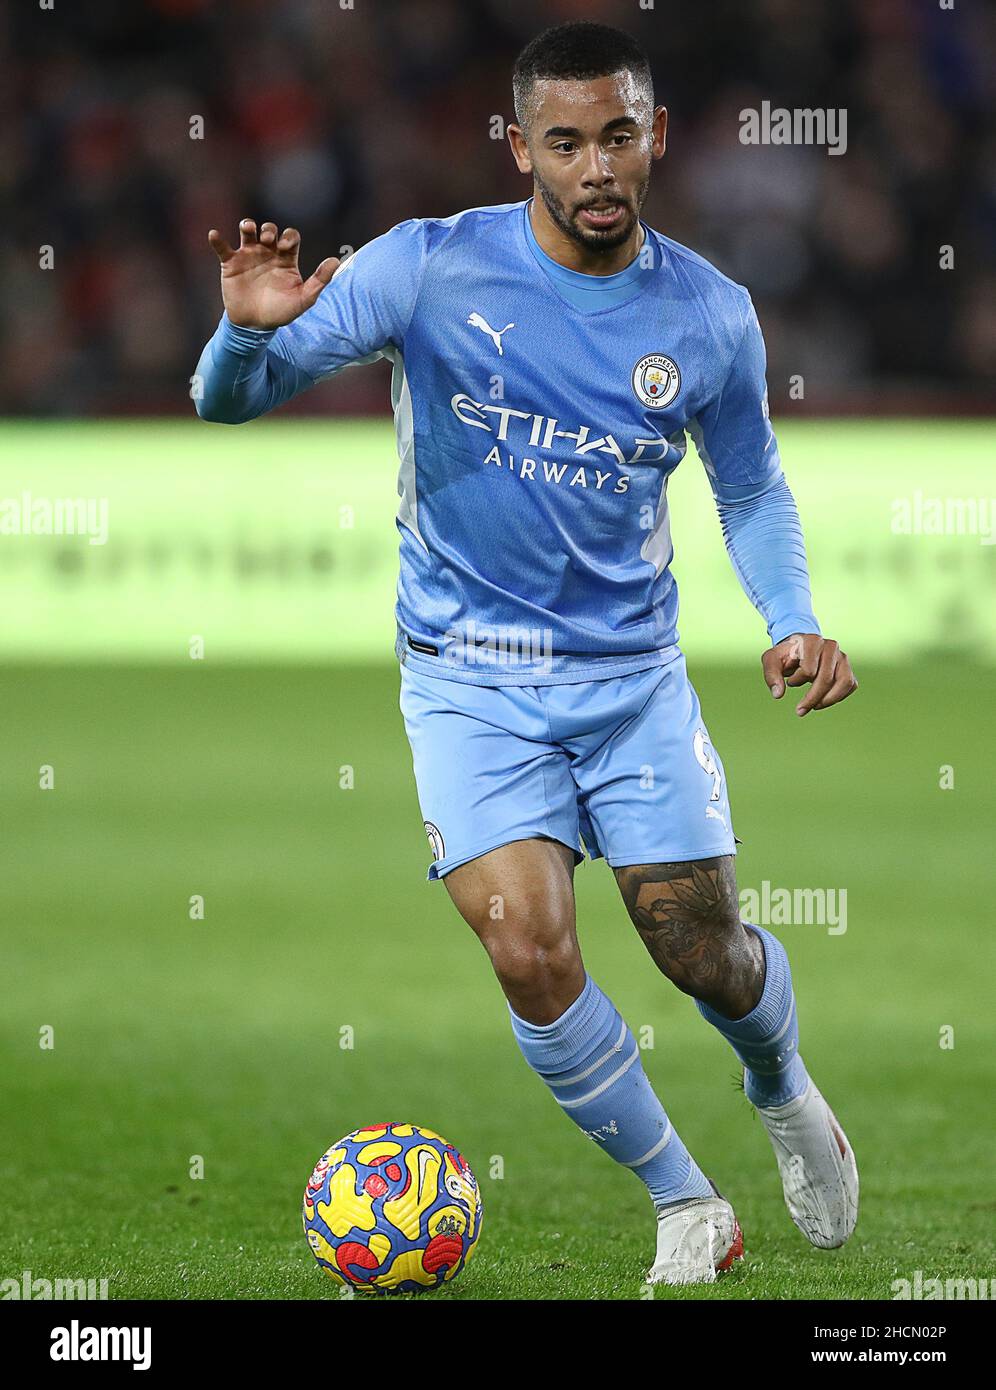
point(392, 1208)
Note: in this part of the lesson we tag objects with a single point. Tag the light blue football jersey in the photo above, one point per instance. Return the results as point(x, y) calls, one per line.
point(536, 440)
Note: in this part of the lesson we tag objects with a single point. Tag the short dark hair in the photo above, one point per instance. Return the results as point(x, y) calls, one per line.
point(577, 49)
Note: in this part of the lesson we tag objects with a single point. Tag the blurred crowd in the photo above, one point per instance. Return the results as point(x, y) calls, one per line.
point(344, 118)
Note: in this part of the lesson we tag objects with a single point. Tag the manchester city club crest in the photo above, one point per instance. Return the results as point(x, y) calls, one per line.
point(656, 380)
point(435, 839)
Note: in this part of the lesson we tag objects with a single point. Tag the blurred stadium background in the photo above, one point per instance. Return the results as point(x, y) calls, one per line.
point(274, 544)
point(344, 122)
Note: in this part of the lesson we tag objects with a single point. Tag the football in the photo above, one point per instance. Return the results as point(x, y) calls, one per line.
point(392, 1208)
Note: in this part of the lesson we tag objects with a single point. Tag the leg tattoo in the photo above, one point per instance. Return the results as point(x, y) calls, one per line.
point(688, 917)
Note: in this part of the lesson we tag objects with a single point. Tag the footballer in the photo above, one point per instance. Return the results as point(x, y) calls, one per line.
point(550, 359)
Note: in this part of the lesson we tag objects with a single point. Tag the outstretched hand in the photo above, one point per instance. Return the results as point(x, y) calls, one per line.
point(806, 658)
point(261, 283)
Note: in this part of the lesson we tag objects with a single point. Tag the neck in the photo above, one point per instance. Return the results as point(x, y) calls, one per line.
point(570, 253)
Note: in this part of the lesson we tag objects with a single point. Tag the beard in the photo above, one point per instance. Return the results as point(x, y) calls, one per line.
point(590, 237)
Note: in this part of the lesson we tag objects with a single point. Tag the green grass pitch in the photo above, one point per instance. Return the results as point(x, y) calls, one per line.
point(221, 1037)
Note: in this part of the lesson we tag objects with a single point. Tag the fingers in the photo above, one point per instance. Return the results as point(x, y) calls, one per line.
point(781, 660)
point(809, 658)
point(771, 666)
point(220, 246)
point(315, 283)
point(844, 685)
point(808, 651)
point(822, 679)
point(286, 243)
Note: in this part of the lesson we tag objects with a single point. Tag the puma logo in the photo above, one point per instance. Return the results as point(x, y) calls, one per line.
point(476, 321)
point(713, 814)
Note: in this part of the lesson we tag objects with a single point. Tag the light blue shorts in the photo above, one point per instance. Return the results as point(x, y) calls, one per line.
point(624, 765)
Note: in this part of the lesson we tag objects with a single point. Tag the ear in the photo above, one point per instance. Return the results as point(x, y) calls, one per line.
point(659, 131)
point(520, 150)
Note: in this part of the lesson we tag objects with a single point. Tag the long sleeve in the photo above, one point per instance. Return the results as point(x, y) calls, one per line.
point(760, 521)
point(365, 311)
point(763, 537)
point(240, 377)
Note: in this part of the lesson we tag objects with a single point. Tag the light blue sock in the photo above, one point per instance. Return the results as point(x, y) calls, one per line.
point(767, 1039)
point(589, 1059)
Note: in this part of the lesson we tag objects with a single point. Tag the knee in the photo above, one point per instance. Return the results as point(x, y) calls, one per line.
point(524, 963)
point(723, 967)
point(539, 969)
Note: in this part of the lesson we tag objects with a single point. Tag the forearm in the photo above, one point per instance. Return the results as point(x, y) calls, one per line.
point(242, 374)
point(764, 539)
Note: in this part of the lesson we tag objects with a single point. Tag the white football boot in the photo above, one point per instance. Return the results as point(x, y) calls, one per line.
point(817, 1166)
point(696, 1241)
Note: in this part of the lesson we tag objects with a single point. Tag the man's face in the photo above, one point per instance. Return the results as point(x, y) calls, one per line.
point(589, 147)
